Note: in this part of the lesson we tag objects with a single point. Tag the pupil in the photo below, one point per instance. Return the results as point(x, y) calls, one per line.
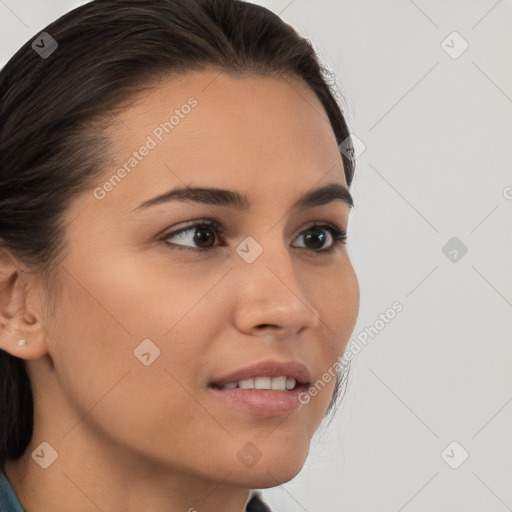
point(202, 235)
point(319, 236)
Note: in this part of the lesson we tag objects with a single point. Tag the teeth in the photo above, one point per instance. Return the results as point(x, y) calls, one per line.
point(246, 384)
point(290, 383)
point(275, 383)
point(278, 383)
point(263, 383)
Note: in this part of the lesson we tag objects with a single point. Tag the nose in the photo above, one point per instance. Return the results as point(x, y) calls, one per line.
point(271, 296)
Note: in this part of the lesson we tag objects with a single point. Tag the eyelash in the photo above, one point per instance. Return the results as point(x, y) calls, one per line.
point(339, 235)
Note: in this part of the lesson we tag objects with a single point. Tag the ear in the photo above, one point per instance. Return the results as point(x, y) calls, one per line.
point(16, 322)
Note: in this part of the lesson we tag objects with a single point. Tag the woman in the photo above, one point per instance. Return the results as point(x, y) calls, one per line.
point(175, 286)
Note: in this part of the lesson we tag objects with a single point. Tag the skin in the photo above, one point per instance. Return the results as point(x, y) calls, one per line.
point(133, 437)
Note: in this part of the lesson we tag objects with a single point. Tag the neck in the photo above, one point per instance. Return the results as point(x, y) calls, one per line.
point(83, 480)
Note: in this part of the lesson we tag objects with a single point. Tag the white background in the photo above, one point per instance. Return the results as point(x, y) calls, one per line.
point(437, 160)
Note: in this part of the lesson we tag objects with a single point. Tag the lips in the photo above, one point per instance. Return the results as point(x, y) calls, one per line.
point(291, 369)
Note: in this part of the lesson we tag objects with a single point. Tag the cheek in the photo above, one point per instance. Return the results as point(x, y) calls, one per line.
point(146, 296)
point(335, 296)
point(89, 349)
point(107, 388)
point(337, 302)
point(104, 317)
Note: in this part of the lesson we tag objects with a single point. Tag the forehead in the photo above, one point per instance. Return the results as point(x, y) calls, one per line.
point(211, 129)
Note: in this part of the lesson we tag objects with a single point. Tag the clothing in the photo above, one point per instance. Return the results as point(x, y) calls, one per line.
point(9, 502)
point(256, 504)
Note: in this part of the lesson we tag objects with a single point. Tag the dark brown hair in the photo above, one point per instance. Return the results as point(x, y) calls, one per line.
point(51, 145)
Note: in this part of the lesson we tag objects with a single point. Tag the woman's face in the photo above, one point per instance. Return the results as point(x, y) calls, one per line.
point(146, 321)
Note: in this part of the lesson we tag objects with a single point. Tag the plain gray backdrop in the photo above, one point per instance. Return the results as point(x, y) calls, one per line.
point(427, 91)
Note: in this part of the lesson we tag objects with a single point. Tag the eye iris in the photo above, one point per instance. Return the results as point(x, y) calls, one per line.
point(203, 234)
point(318, 238)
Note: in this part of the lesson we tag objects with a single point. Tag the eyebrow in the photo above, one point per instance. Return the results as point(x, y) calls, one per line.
point(232, 199)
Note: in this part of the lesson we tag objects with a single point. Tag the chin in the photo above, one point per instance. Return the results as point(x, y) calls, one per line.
point(265, 478)
point(275, 469)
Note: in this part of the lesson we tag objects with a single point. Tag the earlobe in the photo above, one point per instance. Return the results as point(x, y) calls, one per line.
point(21, 334)
point(25, 348)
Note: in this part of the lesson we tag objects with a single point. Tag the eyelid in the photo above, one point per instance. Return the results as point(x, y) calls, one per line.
point(192, 224)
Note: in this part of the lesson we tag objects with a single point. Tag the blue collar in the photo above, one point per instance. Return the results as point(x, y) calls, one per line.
point(8, 500)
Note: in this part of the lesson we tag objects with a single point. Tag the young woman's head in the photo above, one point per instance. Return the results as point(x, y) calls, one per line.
point(172, 207)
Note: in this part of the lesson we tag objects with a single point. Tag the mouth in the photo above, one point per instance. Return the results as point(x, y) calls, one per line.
point(267, 389)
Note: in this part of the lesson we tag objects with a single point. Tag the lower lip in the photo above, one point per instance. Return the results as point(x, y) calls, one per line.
point(263, 402)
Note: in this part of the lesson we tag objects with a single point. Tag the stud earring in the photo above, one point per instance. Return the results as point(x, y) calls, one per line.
point(21, 342)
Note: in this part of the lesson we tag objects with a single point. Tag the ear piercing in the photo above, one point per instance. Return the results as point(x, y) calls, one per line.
point(21, 342)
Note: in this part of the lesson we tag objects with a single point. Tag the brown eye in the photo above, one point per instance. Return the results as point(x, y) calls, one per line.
point(315, 237)
point(204, 236)
point(199, 236)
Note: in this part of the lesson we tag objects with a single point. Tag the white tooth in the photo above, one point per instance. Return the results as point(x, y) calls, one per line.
point(246, 384)
point(290, 383)
point(275, 383)
point(262, 383)
point(279, 383)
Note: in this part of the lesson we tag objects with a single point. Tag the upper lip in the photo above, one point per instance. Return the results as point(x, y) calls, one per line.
point(292, 369)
